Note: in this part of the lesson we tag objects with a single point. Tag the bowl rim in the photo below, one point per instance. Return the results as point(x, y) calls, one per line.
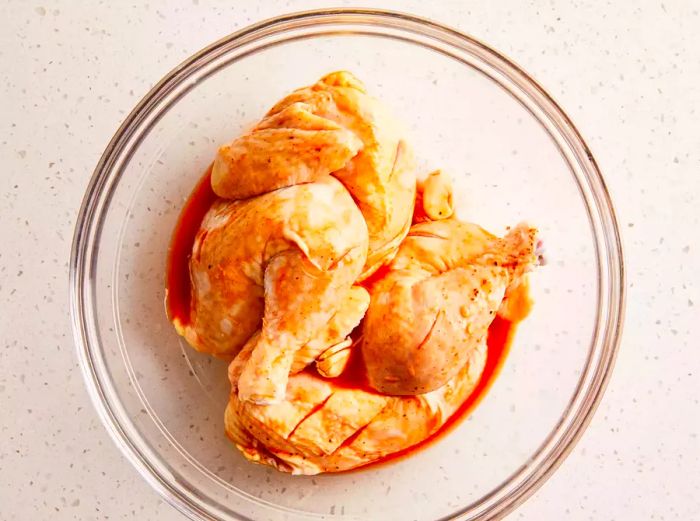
point(606, 338)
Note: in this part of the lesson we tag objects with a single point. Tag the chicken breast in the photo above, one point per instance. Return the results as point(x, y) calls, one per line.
point(281, 260)
point(437, 300)
point(331, 126)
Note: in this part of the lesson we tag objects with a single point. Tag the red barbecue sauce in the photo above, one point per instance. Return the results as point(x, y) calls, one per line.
point(177, 283)
point(178, 302)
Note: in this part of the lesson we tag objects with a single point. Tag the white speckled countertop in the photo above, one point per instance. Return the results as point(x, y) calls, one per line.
point(627, 73)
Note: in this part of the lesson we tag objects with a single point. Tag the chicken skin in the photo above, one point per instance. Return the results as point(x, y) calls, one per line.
point(331, 126)
point(437, 301)
point(281, 260)
point(323, 427)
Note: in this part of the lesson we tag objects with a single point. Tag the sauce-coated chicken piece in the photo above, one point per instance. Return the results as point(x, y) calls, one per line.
point(290, 147)
point(321, 427)
point(351, 310)
point(433, 198)
point(437, 300)
point(280, 259)
point(331, 126)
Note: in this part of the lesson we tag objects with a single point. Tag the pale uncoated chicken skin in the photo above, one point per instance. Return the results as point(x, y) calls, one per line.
point(331, 126)
point(437, 301)
point(283, 257)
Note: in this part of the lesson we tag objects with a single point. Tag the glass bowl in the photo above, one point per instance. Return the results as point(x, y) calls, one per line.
point(513, 154)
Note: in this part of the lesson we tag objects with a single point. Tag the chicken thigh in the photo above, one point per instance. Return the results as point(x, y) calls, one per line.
point(331, 126)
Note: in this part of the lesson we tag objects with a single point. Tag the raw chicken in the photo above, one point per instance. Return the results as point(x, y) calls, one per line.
point(335, 335)
point(437, 300)
point(433, 198)
point(331, 126)
point(280, 259)
point(290, 147)
point(316, 198)
point(323, 427)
